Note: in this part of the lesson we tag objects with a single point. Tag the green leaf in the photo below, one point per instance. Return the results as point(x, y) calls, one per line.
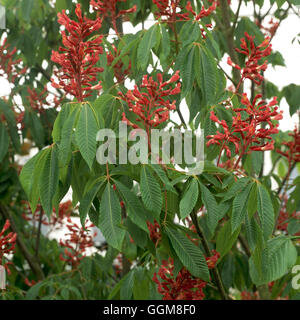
point(236, 187)
point(27, 6)
point(226, 238)
point(208, 71)
point(189, 254)
point(187, 73)
point(66, 137)
point(110, 218)
point(88, 197)
point(239, 207)
point(49, 179)
point(151, 192)
point(265, 211)
point(189, 199)
point(86, 131)
point(4, 141)
point(134, 207)
point(148, 42)
point(292, 96)
point(30, 176)
point(163, 177)
point(211, 206)
point(127, 286)
point(278, 258)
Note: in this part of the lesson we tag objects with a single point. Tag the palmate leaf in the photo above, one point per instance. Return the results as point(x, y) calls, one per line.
point(278, 258)
point(134, 207)
point(4, 141)
point(110, 218)
point(226, 238)
point(49, 178)
point(265, 211)
point(187, 73)
point(86, 131)
point(30, 176)
point(189, 199)
point(151, 192)
point(211, 205)
point(88, 197)
point(189, 254)
point(236, 187)
point(148, 42)
point(66, 136)
point(239, 207)
point(207, 74)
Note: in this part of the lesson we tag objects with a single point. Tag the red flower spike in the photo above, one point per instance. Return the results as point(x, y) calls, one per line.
point(9, 67)
point(183, 287)
point(78, 57)
point(170, 11)
point(150, 107)
point(292, 152)
point(250, 133)
point(109, 8)
point(252, 69)
point(77, 244)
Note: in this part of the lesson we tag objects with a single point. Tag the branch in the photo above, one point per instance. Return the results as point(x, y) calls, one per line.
point(34, 265)
point(205, 245)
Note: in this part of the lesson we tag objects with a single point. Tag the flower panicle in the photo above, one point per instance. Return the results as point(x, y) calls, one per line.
point(150, 105)
point(78, 57)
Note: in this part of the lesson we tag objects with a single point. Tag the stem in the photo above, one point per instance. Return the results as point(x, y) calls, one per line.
point(205, 245)
point(38, 237)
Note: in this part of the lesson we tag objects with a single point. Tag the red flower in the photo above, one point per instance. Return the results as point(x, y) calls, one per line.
point(8, 66)
point(252, 69)
point(183, 287)
point(270, 29)
point(77, 244)
point(250, 132)
point(212, 260)
point(109, 8)
point(78, 57)
point(7, 243)
point(119, 71)
point(154, 230)
point(292, 152)
point(150, 107)
point(169, 11)
point(203, 12)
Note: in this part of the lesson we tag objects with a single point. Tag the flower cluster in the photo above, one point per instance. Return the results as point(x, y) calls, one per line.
point(8, 66)
point(284, 217)
point(38, 101)
point(183, 287)
point(252, 69)
point(203, 12)
point(56, 220)
point(109, 8)
point(212, 260)
point(77, 244)
point(170, 11)
point(7, 243)
point(154, 230)
point(150, 107)
point(78, 57)
point(251, 128)
point(292, 152)
point(119, 71)
point(270, 29)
